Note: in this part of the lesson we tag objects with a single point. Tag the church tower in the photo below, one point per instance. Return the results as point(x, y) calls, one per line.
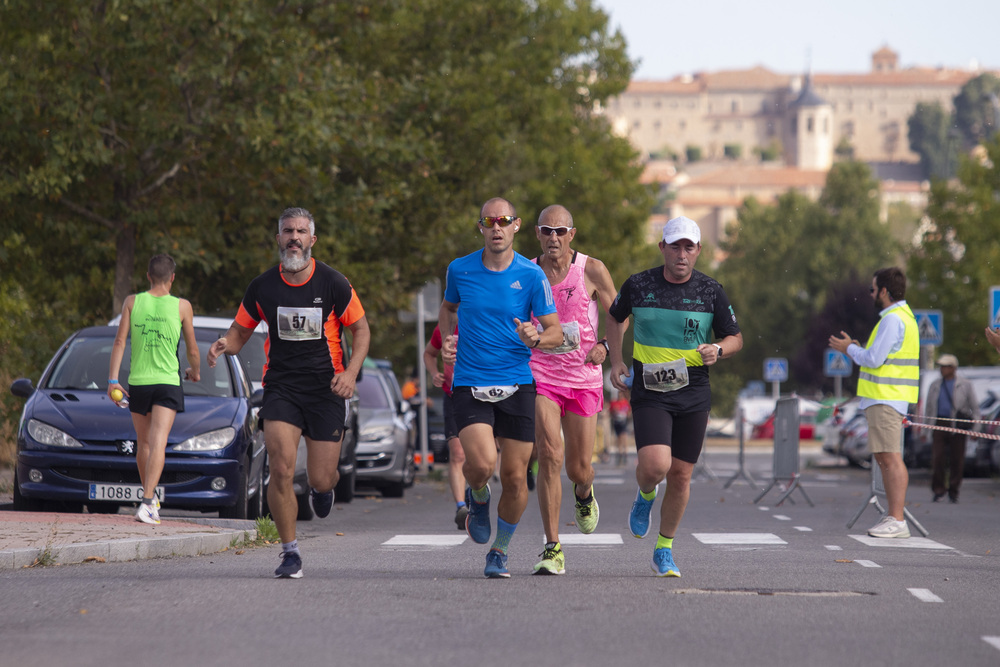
point(809, 134)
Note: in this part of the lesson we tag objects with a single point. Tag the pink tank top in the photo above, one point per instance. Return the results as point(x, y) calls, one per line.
point(565, 365)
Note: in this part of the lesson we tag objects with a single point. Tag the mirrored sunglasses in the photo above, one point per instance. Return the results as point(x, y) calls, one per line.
point(502, 220)
point(547, 231)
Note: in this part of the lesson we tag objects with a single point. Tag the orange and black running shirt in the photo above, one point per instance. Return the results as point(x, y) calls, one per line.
point(305, 324)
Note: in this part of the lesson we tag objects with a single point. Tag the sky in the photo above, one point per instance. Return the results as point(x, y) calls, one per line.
point(787, 36)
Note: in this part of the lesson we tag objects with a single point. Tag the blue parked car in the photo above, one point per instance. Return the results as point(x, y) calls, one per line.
point(76, 448)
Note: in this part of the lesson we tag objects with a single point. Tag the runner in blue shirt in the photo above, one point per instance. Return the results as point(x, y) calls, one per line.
point(492, 294)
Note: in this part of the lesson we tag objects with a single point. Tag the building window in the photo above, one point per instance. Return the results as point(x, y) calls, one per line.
point(826, 126)
point(683, 124)
point(735, 106)
point(809, 124)
point(636, 125)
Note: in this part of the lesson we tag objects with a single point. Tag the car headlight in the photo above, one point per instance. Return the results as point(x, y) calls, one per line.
point(375, 433)
point(207, 442)
point(50, 435)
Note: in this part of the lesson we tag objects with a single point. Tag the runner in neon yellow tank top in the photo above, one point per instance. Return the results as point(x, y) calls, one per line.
point(155, 320)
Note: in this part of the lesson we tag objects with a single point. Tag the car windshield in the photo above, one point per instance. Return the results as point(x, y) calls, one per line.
point(84, 365)
point(371, 395)
point(253, 357)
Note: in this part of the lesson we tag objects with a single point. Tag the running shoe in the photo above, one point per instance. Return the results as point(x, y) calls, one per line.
point(889, 527)
point(532, 475)
point(322, 502)
point(291, 566)
point(496, 565)
point(460, 515)
point(553, 561)
point(477, 523)
point(663, 563)
point(587, 514)
point(147, 514)
point(638, 518)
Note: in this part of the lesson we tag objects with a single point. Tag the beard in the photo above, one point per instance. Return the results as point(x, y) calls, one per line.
point(293, 264)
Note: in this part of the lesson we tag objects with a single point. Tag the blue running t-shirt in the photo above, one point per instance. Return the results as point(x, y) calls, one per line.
point(489, 349)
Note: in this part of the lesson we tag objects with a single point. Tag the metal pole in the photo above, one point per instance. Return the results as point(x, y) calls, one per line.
point(422, 372)
point(741, 470)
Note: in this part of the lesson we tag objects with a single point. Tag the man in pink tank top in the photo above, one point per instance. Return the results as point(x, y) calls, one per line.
point(569, 381)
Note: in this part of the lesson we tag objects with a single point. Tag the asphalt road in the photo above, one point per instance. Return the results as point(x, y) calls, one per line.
point(760, 585)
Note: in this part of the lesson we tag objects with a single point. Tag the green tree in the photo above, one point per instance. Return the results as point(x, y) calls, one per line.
point(929, 137)
point(783, 261)
point(977, 109)
point(954, 267)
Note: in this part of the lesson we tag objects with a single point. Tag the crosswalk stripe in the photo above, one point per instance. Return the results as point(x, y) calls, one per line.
point(592, 540)
point(924, 595)
point(738, 538)
point(908, 543)
point(867, 563)
point(426, 540)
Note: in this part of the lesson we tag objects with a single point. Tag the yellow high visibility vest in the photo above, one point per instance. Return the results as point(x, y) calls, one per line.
point(898, 379)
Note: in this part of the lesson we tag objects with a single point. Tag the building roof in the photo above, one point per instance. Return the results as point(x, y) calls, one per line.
point(755, 176)
point(808, 97)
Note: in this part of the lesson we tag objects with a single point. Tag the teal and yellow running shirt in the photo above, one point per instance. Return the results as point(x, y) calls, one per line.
point(670, 321)
point(156, 335)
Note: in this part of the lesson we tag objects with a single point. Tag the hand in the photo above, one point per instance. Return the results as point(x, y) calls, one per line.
point(192, 376)
point(342, 384)
point(596, 356)
point(437, 379)
point(112, 387)
point(217, 349)
point(841, 343)
point(709, 353)
point(993, 336)
point(618, 371)
point(448, 348)
point(527, 332)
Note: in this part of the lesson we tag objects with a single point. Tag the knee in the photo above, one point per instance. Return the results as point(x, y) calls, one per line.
point(579, 472)
point(456, 454)
point(477, 470)
point(550, 454)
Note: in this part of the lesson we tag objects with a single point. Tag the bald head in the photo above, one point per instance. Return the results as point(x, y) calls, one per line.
point(497, 206)
point(555, 216)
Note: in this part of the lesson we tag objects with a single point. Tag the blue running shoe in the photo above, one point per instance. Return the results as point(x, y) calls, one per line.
point(322, 502)
point(638, 518)
point(291, 566)
point(663, 563)
point(496, 565)
point(477, 523)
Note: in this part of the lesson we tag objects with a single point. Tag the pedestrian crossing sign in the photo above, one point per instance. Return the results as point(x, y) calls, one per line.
point(930, 325)
point(775, 369)
point(837, 364)
point(995, 306)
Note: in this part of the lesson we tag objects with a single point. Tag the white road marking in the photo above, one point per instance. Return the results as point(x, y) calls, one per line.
point(609, 481)
point(867, 563)
point(592, 540)
point(924, 595)
point(782, 517)
point(993, 641)
point(738, 538)
point(426, 541)
point(764, 509)
point(907, 543)
point(803, 529)
point(833, 547)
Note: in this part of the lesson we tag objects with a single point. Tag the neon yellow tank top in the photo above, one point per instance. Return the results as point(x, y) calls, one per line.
point(156, 335)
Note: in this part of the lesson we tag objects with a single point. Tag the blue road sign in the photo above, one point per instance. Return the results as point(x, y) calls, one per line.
point(837, 364)
point(775, 369)
point(930, 324)
point(995, 306)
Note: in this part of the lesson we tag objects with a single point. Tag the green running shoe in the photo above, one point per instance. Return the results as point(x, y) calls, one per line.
point(587, 514)
point(553, 561)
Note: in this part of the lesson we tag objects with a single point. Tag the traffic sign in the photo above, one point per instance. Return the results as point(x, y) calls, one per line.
point(775, 369)
point(995, 306)
point(930, 325)
point(837, 364)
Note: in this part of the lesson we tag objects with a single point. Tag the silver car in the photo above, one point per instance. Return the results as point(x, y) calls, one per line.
point(386, 433)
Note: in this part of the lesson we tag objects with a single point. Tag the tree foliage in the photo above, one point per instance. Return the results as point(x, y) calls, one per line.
point(785, 261)
point(928, 131)
point(977, 109)
point(142, 127)
point(957, 262)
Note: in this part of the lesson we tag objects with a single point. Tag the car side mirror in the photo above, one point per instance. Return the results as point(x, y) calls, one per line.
point(257, 398)
point(22, 388)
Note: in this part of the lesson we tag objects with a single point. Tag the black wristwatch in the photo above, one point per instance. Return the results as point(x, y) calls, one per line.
point(604, 342)
point(719, 348)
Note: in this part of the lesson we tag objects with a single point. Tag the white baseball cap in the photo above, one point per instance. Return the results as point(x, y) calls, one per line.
point(681, 228)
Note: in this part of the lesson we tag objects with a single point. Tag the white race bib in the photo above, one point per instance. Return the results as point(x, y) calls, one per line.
point(300, 323)
point(668, 376)
point(571, 338)
point(493, 394)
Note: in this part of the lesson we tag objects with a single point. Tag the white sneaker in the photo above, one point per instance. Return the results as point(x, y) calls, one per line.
point(889, 527)
point(147, 514)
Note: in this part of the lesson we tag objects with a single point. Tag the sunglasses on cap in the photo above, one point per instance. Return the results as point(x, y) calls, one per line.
point(502, 220)
point(547, 231)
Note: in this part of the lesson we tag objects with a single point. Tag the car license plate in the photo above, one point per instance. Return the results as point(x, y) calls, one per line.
point(120, 492)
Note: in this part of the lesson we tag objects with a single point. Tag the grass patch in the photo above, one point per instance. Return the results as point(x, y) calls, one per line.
point(267, 533)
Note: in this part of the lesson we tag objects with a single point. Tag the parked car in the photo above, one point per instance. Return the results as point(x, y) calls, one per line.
point(386, 432)
point(253, 358)
point(76, 448)
point(437, 444)
point(807, 421)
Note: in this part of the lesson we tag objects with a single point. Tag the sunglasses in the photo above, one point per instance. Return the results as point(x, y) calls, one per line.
point(547, 231)
point(502, 220)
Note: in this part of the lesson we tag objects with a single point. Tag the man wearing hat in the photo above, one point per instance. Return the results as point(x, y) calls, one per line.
point(949, 397)
point(683, 324)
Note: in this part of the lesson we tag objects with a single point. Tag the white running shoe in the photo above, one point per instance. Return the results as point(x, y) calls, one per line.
point(890, 527)
point(147, 514)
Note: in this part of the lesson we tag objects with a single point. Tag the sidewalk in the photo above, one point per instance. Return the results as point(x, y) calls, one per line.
point(57, 538)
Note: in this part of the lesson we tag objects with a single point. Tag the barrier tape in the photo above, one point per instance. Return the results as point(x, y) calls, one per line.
point(947, 429)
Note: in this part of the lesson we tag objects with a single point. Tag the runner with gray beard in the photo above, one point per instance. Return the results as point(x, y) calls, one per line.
point(306, 304)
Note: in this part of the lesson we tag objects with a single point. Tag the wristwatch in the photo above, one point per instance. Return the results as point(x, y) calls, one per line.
point(604, 342)
point(719, 349)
